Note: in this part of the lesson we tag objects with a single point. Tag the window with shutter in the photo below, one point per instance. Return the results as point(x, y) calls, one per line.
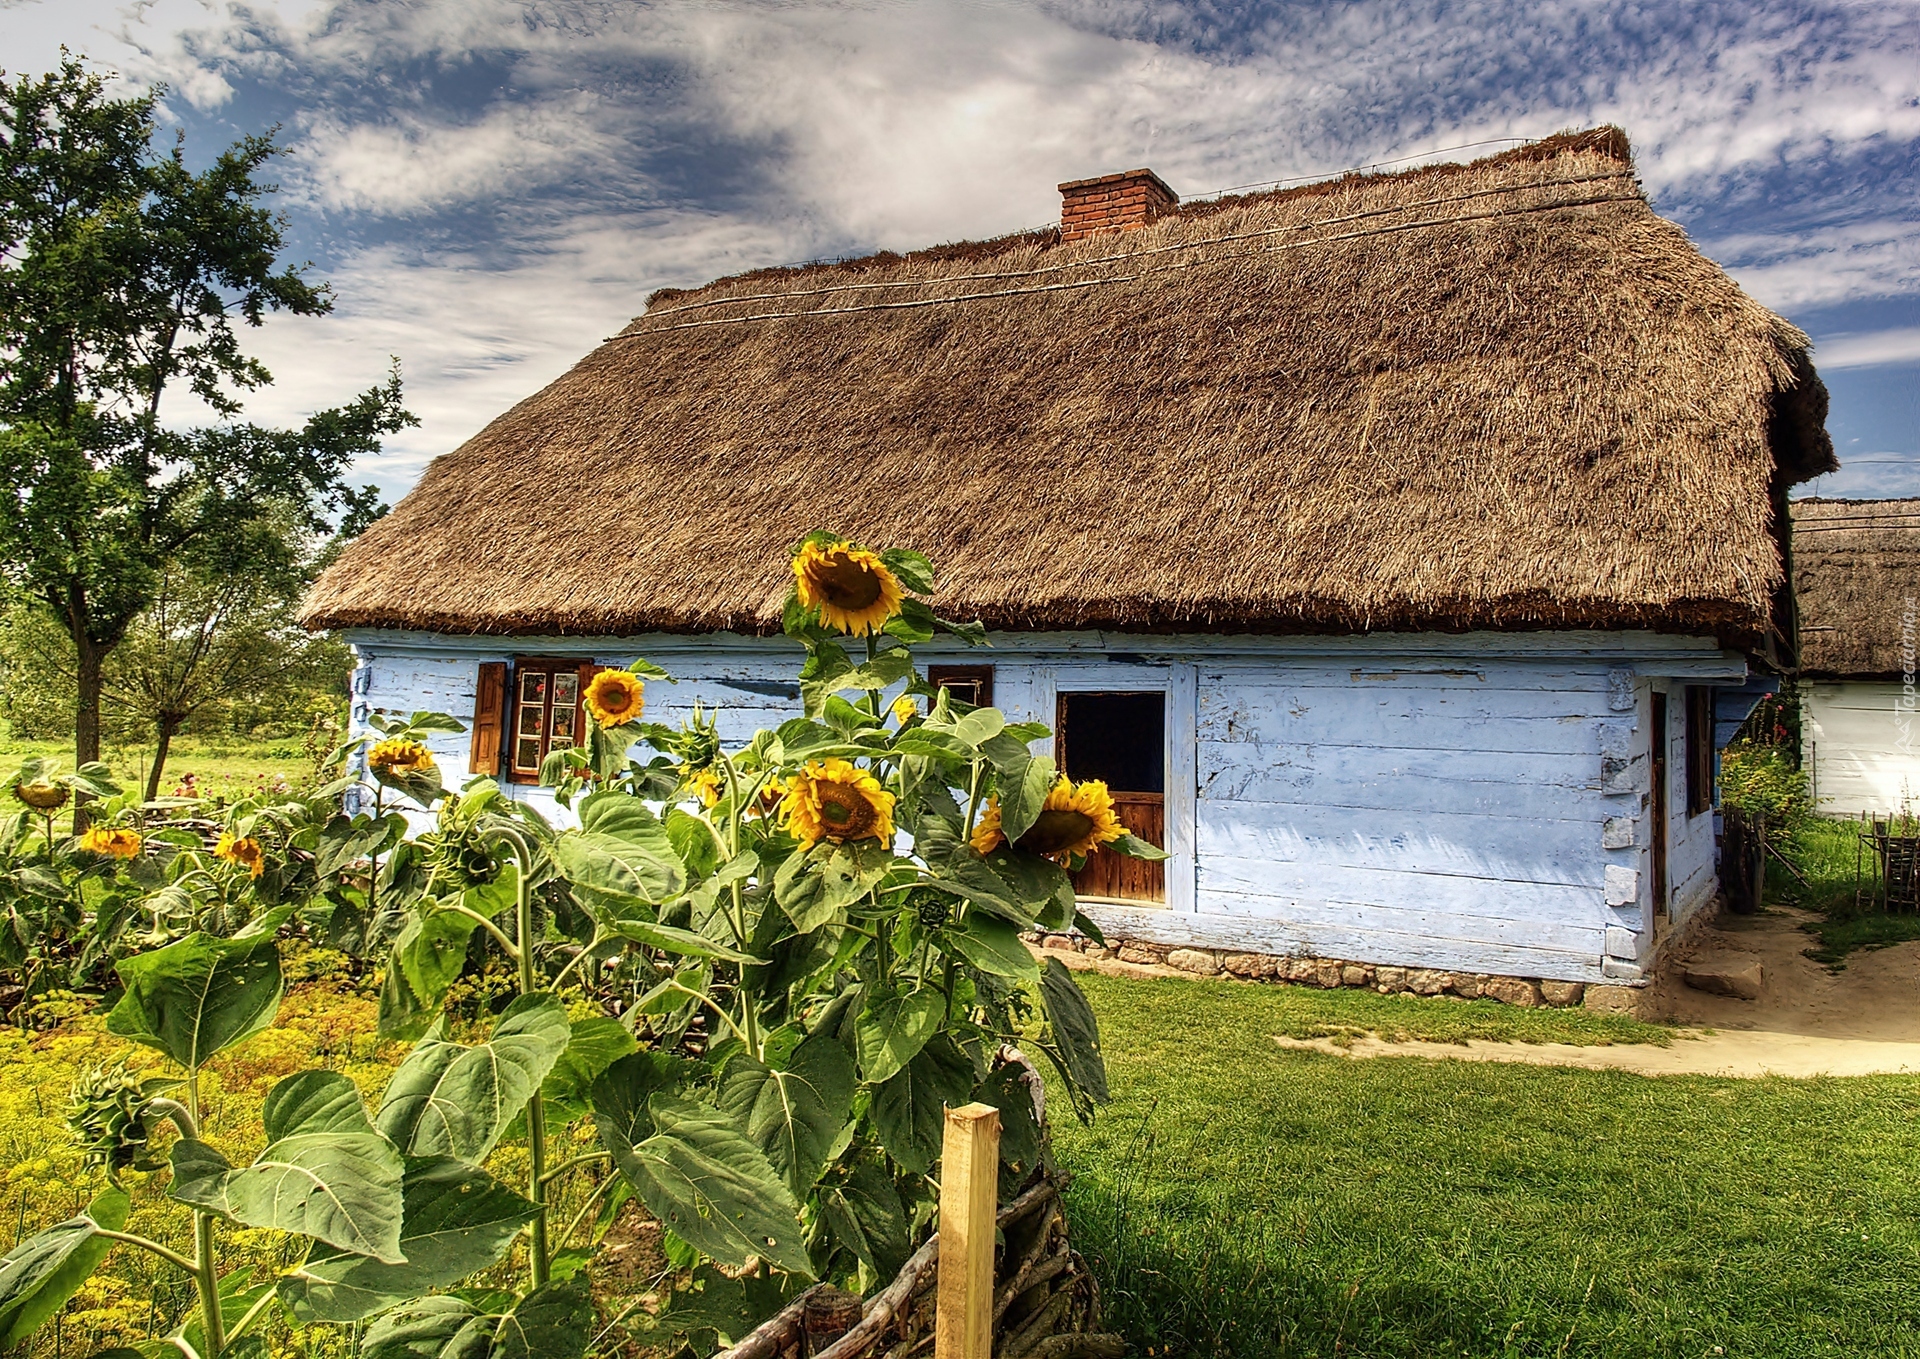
point(544, 698)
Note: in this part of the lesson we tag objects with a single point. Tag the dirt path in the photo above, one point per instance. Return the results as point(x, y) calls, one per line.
point(1808, 1021)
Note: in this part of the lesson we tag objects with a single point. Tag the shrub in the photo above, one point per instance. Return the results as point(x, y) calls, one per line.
point(1764, 780)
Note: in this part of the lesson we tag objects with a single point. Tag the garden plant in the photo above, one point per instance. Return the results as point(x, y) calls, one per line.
point(757, 975)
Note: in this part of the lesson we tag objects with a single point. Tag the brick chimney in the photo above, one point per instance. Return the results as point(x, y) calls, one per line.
point(1119, 202)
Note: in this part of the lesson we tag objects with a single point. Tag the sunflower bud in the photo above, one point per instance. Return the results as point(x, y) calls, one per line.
point(109, 1112)
point(42, 797)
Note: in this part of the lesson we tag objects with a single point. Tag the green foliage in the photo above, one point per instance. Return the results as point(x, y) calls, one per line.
point(1765, 780)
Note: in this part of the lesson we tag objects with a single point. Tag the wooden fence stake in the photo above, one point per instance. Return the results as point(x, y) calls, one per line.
point(969, 1196)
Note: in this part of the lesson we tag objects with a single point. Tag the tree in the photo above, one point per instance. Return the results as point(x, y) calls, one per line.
point(123, 273)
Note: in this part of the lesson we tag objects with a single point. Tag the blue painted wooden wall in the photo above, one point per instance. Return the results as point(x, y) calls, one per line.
point(1474, 803)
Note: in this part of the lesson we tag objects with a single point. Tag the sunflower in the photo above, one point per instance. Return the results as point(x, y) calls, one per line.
point(904, 710)
point(244, 851)
point(42, 797)
point(850, 587)
point(396, 755)
point(1076, 820)
point(768, 802)
point(707, 783)
point(615, 698)
point(832, 800)
point(116, 844)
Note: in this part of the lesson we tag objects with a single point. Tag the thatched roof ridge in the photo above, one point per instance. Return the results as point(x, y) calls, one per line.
point(1856, 577)
point(1502, 394)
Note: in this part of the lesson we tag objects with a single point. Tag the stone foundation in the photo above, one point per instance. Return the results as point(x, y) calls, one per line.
point(1330, 973)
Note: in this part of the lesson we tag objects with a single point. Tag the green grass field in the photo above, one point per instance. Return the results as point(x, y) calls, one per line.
point(228, 769)
point(1837, 879)
point(1242, 1199)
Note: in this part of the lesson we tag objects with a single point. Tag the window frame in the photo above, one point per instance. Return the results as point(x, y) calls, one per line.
point(953, 677)
point(1699, 764)
point(553, 667)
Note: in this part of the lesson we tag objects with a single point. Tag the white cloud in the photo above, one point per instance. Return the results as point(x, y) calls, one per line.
point(1869, 349)
point(1825, 265)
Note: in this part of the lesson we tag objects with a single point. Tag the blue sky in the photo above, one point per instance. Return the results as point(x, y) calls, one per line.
point(494, 185)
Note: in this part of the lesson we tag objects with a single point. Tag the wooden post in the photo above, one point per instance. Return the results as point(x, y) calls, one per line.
point(969, 1195)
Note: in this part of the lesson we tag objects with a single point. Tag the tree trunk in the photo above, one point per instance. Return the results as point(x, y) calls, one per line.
point(168, 724)
point(86, 714)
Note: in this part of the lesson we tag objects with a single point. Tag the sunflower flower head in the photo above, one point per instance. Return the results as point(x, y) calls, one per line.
point(1077, 819)
point(772, 793)
point(242, 850)
point(615, 697)
point(849, 587)
point(834, 800)
point(114, 843)
point(42, 797)
point(706, 784)
point(904, 710)
point(398, 755)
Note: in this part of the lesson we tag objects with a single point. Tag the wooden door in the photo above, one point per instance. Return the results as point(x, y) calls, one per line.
point(1657, 759)
point(1118, 876)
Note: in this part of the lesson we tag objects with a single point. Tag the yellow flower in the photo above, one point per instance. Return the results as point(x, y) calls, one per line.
point(244, 851)
point(615, 698)
point(848, 586)
point(42, 797)
point(118, 844)
point(1076, 820)
point(398, 756)
point(708, 784)
point(833, 800)
point(904, 710)
point(771, 794)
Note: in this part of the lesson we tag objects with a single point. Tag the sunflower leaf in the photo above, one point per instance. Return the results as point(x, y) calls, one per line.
point(1135, 848)
point(911, 568)
point(1023, 782)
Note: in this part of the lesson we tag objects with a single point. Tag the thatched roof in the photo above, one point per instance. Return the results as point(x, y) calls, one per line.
point(1503, 394)
point(1856, 576)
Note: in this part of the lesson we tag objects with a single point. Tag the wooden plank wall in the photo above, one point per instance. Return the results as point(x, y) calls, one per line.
point(1862, 740)
point(1474, 803)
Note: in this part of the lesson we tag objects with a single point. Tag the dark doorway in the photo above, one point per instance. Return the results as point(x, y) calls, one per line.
point(1658, 762)
point(1120, 739)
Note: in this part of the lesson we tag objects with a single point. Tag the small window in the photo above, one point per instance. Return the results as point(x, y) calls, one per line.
point(546, 712)
point(1699, 749)
point(971, 684)
point(1119, 739)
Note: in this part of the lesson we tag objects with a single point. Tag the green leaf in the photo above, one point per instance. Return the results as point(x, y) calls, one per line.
point(693, 842)
point(815, 887)
point(457, 1221)
point(993, 945)
point(554, 1323)
point(41, 1273)
point(628, 861)
point(344, 841)
point(325, 1173)
point(729, 1308)
point(620, 1095)
point(448, 1099)
point(893, 1027)
point(793, 1115)
point(1023, 784)
point(432, 949)
point(1075, 1032)
point(1134, 847)
point(673, 939)
point(1007, 1090)
point(914, 623)
point(867, 1218)
point(593, 1044)
point(912, 569)
point(701, 1178)
point(909, 1110)
point(199, 995)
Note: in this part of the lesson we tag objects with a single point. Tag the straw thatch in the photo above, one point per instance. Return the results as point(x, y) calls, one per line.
point(1856, 575)
point(1504, 394)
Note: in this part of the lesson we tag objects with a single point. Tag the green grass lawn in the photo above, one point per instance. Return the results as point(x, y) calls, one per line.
point(1837, 878)
point(228, 768)
point(1242, 1199)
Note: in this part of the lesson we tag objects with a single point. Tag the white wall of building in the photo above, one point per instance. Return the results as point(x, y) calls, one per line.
point(1861, 742)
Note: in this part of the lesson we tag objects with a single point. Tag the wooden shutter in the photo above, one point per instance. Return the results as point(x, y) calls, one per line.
point(489, 718)
point(587, 671)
